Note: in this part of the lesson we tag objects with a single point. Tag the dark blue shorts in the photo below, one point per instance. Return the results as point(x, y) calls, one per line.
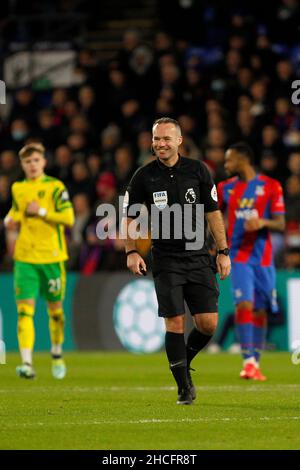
point(255, 284)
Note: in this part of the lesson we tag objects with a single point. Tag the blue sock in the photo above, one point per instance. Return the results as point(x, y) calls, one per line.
point(244, 329)
point(245, 335)
point(259, 336)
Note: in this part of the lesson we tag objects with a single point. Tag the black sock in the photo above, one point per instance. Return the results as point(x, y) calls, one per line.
point(196, 341)
point(56, 356)
point(176, 352)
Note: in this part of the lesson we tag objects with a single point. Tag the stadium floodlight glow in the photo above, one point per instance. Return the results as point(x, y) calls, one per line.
point(135, 318)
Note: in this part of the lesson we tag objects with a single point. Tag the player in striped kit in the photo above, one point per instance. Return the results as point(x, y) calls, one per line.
point(255, 207)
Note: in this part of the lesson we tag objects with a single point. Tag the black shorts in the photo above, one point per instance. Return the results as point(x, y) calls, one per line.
point(188, 278)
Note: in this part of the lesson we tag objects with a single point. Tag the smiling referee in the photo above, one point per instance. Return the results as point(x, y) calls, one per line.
point(183, 270)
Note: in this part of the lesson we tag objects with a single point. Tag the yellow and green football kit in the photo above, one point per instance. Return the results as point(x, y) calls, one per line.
point(40, 254)
point(40, 249)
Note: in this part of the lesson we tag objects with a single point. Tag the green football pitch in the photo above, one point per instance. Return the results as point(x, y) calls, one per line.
point(125, 401)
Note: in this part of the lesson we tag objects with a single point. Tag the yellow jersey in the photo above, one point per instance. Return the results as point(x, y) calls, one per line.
point(41, 239)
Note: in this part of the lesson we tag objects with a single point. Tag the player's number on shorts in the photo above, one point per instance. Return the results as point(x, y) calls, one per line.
point(54, 285)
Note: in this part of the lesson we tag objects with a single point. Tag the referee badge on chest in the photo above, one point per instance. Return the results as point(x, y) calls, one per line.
point(160, 199)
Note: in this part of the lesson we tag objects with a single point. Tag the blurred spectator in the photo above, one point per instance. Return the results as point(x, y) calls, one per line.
point(18, 133)
point(119, 90)
point(144, 76)
point(284, 77)
point(269, 165)
point(82, 212)
point(131, 120)
point(58, 103)
point(171, 85)
point(88, 107)
point(9, 165)
point(189, 128)
point(77, 142)
point(264, 51)
point(259, 108)
point(47, 131)
point(194, 93)
point(106, 187)
point(144, 142)
point(79, 124)
point(246, 128)
point(283, 116)
point(107, 253)
point(70, 109)
point(24, 107)
point(214, 158)
point(271, 141)
point(87, 64)
point(130, 41)
point(61, 168)
point(124, 167)
point(164, 107)
point(288, 20)
point(94, 164)
point(216, 137)
point(110, 139)
point(163, 44)
point(81, 181)
point(293, 163)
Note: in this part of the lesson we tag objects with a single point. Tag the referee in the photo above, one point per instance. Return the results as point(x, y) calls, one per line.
point(182, 271)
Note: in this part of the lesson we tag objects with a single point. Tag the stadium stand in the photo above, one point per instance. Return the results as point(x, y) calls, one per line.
point(225, 77)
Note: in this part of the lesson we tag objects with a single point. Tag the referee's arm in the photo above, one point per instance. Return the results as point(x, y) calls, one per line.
point(135, 262)
point(217, 228)
point(134, 195)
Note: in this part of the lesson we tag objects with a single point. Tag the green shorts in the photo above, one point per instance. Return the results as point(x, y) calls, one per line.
point(45, 280)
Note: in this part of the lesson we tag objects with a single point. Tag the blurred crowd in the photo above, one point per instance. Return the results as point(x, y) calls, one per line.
point(235, 85)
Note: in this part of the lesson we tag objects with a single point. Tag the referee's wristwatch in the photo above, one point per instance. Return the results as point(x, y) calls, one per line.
point(225, 252)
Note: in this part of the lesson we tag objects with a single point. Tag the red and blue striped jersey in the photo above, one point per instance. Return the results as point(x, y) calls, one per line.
point(261, 198)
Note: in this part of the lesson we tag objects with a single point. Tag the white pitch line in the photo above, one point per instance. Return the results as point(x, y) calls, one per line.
point(156, 421)
point(205, 388)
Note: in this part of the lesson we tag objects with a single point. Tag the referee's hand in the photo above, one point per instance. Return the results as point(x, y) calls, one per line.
point(136, 264)
point(223, 266)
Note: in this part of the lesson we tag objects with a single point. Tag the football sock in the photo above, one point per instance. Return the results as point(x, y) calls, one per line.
point(176, 353)
point(56, 327)
point(25, 331)
point(196, 341)
point(244, 328)
point(26, 355)
point(259, 335)
point(56, 351)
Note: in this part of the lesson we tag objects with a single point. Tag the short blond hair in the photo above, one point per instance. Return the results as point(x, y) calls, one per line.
point(29, 149)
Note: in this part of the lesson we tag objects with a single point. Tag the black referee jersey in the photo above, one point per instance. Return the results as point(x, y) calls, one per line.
point(188, 182)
